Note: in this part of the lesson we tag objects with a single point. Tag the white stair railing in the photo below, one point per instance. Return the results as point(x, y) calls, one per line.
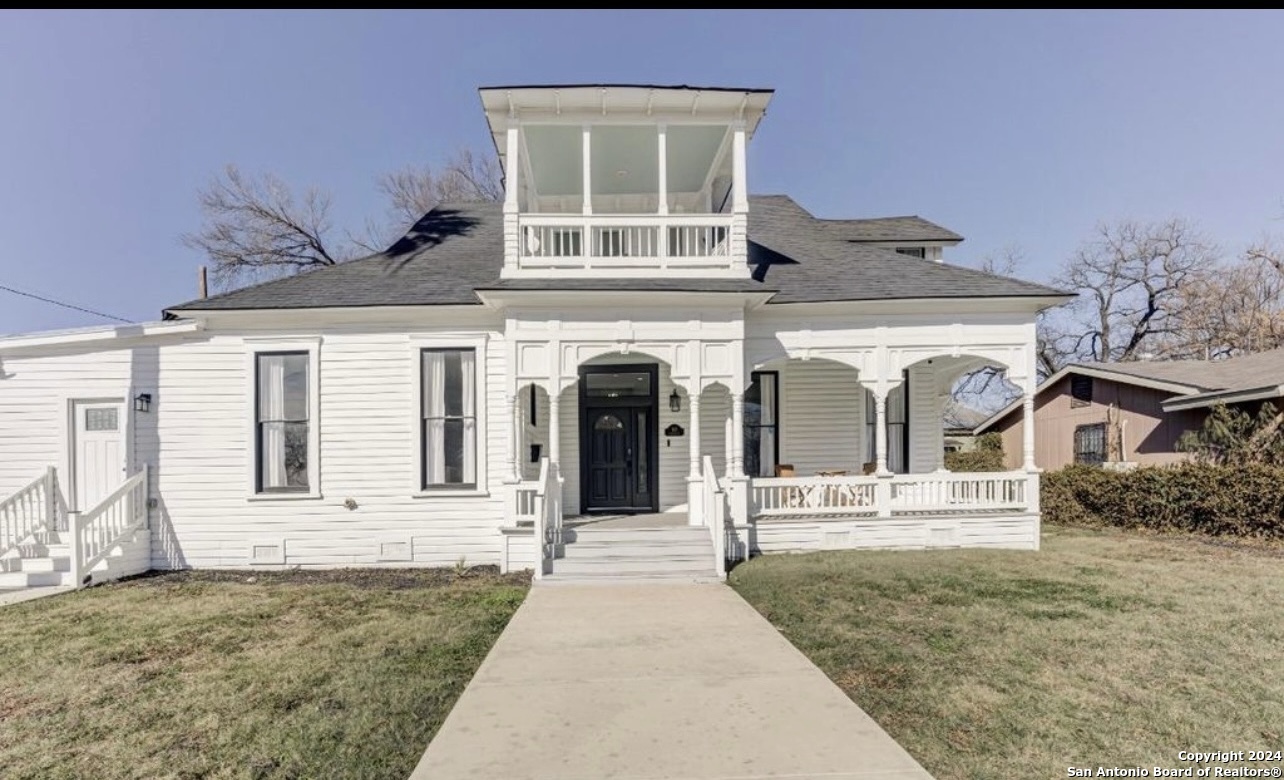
point(715, 517)
point(548, 518)
point(31, 510)
point(95, 533)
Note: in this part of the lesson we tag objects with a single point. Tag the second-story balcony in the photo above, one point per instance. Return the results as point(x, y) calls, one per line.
point(693, 243)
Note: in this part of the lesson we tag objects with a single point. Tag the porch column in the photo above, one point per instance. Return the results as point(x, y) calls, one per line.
point(736, 468)
point(880, 433)
point(513, 423)
point(1027, 431)
point(587, 149)
point(555, 429)
point(694, 424)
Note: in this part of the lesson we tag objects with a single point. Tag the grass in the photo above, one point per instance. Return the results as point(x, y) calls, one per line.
point(1106, 648)
point(231, 675)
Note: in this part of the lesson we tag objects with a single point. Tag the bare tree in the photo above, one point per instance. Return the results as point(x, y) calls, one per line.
point(1131, 279)
point(254, 227)
point(1004, 262)
point(415, 190)
point(1239, 309)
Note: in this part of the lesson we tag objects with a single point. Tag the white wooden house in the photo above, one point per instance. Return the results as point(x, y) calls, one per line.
point(629, 367)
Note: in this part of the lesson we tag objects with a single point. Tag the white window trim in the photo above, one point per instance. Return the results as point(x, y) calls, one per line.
point(253, 347)
point(477, 343)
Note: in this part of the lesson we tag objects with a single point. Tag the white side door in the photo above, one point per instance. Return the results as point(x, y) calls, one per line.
point(98, 451)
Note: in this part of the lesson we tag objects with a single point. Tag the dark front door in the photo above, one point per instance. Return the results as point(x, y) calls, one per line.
point(611, 452)
point(617, 427)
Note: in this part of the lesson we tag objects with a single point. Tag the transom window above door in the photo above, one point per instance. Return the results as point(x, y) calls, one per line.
point(623, 384)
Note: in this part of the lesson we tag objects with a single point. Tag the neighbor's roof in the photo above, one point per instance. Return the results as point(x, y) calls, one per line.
point(1193, 383)
point(459, 248)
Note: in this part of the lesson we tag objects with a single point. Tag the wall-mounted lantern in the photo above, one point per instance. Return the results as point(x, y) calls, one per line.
point(675, 402)
point(143, 402)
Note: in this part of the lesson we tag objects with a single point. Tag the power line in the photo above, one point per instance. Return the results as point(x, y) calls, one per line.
point(64, 305)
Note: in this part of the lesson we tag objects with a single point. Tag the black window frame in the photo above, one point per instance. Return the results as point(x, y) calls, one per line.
point(1082, 455)
point(913, 251)
point(424, 484)
point(1079, 396)
point(754, 377)
point(259, 422)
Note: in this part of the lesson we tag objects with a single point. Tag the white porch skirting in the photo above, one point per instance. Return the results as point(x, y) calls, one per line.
point(1007, 531)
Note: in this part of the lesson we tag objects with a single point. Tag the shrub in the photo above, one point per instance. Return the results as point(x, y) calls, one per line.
point(1241, 500)
point(988, 455)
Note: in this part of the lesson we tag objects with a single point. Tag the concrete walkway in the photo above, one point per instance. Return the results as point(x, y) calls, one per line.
point(19, 595)
point(649, 682)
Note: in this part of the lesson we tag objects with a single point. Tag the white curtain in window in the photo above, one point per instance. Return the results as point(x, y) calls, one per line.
point(767, 435)
point(468, 374)
point(434, 409)
point(272, 407)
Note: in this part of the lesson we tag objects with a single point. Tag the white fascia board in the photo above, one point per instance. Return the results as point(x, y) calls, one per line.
point(1201, 400)
point(613, 298)
point(90, 336)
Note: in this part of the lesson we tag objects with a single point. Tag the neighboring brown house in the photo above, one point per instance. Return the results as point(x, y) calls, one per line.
point(1133, 412)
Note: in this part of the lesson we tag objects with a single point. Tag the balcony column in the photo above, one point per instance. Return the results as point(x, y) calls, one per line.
point(512, 164)
point(739, 168)
point(588, 173)
point(663, 133)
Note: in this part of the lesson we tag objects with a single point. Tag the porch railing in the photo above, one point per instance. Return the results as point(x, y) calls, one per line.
point(903, 494)
point(932, 493)
point(551, 241)
point(715, 517)
point(96, 532)
point(811, 496)
point(31, 510)
point(547, 517)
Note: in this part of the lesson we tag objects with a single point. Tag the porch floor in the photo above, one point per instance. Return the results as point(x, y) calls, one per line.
point(656, 520)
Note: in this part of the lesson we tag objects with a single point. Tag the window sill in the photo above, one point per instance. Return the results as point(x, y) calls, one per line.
point(451, 493)
point(284, 497)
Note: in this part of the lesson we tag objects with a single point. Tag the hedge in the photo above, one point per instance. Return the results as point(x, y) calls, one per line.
point(1246, 500)
point(988, 455)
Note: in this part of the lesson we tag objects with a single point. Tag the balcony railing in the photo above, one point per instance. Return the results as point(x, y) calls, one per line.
point(645, 241)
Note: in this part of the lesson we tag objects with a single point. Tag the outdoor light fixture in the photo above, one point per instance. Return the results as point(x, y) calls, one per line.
point(675, 402)
point(143, 402)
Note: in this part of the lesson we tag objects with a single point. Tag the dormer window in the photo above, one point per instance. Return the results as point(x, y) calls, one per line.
point(913, 251)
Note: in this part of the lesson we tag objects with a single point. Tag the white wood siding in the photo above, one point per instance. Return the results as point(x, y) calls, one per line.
point(926, 440)
point(33, 406)
point(822, 416)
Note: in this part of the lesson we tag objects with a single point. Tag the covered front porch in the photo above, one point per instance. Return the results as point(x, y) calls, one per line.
point(810, 450)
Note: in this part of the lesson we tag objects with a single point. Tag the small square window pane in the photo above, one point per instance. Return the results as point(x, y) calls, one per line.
point(103, 419)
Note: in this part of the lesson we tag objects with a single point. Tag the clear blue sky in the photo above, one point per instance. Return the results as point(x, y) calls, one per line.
point(1010, 128)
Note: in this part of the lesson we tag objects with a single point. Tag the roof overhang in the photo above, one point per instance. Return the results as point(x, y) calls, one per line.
point(499, 298)
point(87, 336)
point(610, 103)
point(1202, 400)
point(1096, 373)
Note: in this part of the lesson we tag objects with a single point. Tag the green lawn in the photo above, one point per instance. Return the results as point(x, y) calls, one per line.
point(275, 675)
point(1106, 648)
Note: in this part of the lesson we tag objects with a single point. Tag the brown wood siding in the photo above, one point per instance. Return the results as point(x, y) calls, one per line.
point(1150, 434)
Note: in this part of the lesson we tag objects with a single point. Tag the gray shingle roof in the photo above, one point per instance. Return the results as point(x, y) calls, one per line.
point(1245, 372)
point(458, 248)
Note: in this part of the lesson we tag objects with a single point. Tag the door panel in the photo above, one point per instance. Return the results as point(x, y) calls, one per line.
point(610, 451)
point(98, 451)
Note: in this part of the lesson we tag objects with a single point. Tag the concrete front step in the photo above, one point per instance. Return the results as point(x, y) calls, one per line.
point(33, 564)
point(702, 565)
point(627, 578)
point(648, 535)
point(33, 579)
point(583, 549)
